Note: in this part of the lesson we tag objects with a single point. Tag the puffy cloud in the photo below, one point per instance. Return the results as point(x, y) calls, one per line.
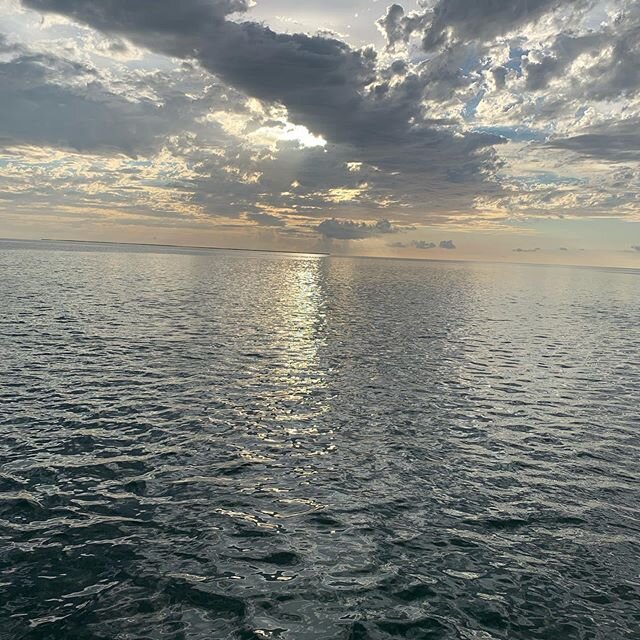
point(611, 67)
point(485, 19)
point(398, 26)
point(351, 230)
point(424, 245)
point(559, 56)
point(461, 20)
point(40, 106)
point(53, 101)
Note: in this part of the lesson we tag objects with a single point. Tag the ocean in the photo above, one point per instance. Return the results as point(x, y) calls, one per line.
point(200, 444)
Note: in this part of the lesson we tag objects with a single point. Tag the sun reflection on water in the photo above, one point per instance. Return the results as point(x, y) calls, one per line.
point(299, 318)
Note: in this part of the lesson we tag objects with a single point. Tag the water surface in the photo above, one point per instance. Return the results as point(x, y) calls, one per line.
point(212, 444)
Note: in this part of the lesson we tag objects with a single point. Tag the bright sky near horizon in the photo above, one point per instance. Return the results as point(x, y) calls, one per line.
point(480, 129)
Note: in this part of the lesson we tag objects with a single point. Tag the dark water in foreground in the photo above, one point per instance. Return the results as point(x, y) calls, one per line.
point(239, 445)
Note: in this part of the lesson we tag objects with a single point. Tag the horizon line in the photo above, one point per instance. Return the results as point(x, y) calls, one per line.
point(323, 255)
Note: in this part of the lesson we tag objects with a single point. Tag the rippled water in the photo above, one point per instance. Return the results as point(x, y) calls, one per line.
point(202, 445)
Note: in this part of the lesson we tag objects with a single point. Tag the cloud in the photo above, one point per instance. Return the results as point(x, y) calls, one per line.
point(451, 21)
point(266, 219)
point(37, 107)
point(398, 26)
point(334, 90)
point(158, 16)
point(611, 67)
point(323, 75)
point(499, 74)
point(351, 230)
point(520, 250)
point(559, 56)
point(484, 19)
point(424, 245)
point(53, 101)
point(636, 247)
point(615, 141)
point(527, 107)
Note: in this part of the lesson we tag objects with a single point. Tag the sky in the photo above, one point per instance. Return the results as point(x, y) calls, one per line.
point(501, 130)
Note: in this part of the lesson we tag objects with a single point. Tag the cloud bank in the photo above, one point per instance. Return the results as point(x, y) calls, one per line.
point(483, 114)
point(350, 230)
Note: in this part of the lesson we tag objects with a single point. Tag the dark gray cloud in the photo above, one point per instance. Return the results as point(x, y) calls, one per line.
point(564, 50)
point(499, 74)
point(315, 77)
point(615, 141)
point(615, 50)
point(539, 74)
point(38, 108)
point(351, 230)
point(485, 19)
point(464, 20)
point(447, 244)
point(153, 16)
point(617, 74)
point(52, 101)
point(398, 26)
point(324, 83)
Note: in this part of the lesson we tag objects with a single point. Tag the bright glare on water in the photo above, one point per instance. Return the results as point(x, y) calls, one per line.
point(214, 444)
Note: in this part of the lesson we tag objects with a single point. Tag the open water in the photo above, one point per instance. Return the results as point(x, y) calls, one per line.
point(212, 444)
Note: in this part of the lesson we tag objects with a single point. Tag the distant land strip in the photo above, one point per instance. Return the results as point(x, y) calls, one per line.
point(181, 246)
